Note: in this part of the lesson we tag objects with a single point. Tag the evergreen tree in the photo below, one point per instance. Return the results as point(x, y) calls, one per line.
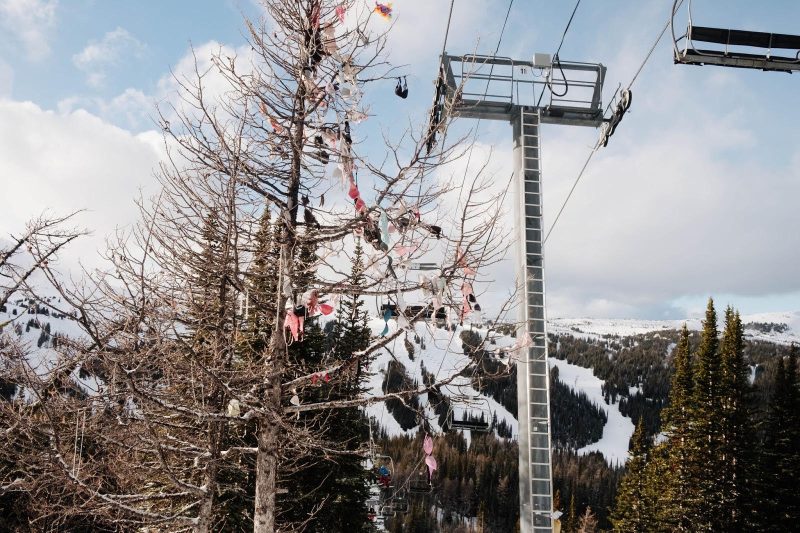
point(780, 500)
point(351, 331)
point(633, 512)
point(311, 489)
point(211, 330)
point(571, 524)
point(735, 445)
point(332, 490)
point(706, 462)
point(349, 426)
point(678, 488)
point(257, 315)
point(657, 474)
point(261, 294)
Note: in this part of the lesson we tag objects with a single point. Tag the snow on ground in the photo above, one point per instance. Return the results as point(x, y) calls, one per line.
point(618, 429)
point(592, 329)
point(15, 320)
point(21, 322)
point(444, 357)
point(790, 319)
point(752, 378)
point(596, 328)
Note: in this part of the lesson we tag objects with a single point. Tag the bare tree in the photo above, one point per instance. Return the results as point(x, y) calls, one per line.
point(30, 252)
point(25, 464)
point(199, 407)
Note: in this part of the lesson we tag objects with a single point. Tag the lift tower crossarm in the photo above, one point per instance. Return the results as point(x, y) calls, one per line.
point(501, 88)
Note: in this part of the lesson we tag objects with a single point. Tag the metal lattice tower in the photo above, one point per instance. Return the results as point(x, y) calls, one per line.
point(510, 94)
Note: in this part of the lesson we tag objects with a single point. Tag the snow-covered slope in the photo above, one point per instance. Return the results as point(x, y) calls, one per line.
point(443, 356)
point(618, 429)
point(785, 326)
point(36, 327)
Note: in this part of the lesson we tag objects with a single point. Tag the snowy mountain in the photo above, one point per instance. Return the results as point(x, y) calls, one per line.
point(443, 356)
point(443, 352)
point(38, 329)
point(438, 351)
point(780, 328)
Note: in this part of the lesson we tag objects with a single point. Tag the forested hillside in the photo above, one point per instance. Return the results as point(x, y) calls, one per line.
point(476, 485)
point(637, 371)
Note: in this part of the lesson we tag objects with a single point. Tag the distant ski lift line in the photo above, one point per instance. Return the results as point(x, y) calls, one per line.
point(734, 57)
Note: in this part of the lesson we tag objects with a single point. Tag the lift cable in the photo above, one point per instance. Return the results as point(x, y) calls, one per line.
point(560, 44)
point(652, 48)
point(598, 144)
point(569, 23)
point(475, 134)
point(446, 32)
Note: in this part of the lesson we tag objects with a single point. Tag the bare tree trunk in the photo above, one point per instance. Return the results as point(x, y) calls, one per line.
point(267, 455)
point(206, 513)
point(266, 469)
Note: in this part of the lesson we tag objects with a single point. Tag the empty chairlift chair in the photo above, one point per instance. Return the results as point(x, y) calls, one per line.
point(388, 511)
point(399, 502)
point(475, 415)
point(731, 54)
point(420, 484)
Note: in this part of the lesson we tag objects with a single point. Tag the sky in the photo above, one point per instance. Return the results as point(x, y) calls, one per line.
point(696, 194)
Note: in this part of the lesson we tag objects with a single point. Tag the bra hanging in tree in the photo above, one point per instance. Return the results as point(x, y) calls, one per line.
point(401, 89)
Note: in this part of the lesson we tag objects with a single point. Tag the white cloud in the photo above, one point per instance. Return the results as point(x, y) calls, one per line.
point(135, 110)
point(31, 23)
point(682, 202)
point(418, 30)
point(132, 108)
point(115, 47)
point(66, 162)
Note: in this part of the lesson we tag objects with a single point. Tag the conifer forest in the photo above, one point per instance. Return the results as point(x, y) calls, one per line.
point(320, 325)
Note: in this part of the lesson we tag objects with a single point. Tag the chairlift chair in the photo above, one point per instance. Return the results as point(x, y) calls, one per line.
point(414, 311)
point(399, 502)
point(388, 511)
point(420, 484)
point(379, 461)
point(469, 404)
point(727, 57)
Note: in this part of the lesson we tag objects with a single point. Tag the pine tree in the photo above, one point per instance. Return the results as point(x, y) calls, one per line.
point(678, 489)
point(261, 295)
point(349, 426)
point(571, 524)
point(735, 447)
point(633, 512)
point(257, 314)
point(706, 462)
point(780, 501)
point(211, 330)
point(311, 489)
point(351, 331)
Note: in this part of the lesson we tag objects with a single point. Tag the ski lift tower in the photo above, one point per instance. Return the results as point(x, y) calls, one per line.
point(528, 94)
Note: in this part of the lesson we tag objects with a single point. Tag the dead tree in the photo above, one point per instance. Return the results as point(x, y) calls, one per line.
point(189, 414)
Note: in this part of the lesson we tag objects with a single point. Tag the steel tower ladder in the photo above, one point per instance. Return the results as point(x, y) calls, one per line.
point(500, 88)
point(533, 377)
